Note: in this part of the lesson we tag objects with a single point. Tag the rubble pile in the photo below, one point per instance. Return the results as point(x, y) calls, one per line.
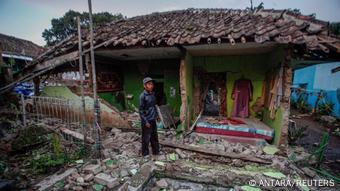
point(123, 168)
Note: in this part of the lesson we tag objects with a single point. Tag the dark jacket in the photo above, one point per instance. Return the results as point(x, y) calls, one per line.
point(147, 107)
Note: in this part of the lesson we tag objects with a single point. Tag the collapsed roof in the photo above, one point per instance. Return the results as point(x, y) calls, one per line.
point(202, 26)
point(308, 35)
point(19, 47)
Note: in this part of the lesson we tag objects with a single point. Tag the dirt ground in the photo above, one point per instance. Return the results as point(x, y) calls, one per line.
point(314, 133)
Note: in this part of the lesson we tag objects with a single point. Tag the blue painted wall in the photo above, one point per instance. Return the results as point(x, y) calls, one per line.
point(316, 78)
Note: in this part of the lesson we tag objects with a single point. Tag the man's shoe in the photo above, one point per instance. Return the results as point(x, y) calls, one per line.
point(146, 158)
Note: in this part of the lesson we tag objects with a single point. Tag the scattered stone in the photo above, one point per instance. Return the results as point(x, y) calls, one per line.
point(81, 161)
point(308, 172)
point(93, 168)
point(180, 153)
point(162, 183)
point(277, 175)
point(80, 179)
point(133, 171)
point(88, 177)
point(115, 131)
point(328, 119)
point(67, 186)
point(270, 150)
point(75, 175)
point(238, 163)
point(124, 187)
point(107, 180)
point(124, 173)
point(138, 180)
point(107, 142)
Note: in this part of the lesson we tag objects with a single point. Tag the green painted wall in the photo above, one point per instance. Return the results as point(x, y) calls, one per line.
point(132, 83)
point(168, 70)
point(253, 67)
point(171, 80)
point(112, 98)
point(275, 123)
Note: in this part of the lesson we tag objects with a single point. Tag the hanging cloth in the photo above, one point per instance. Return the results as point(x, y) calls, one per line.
point(241, 94)
point(276, 93)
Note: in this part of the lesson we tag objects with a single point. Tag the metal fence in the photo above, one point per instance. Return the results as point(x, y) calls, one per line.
point(61, 115)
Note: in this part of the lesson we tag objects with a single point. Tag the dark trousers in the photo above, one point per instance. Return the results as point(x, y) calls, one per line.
point(150, 135)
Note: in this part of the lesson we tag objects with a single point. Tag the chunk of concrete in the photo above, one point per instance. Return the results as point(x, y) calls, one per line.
point(162, 183)
point(88, 177)
point(107, 180)
point(93, 168)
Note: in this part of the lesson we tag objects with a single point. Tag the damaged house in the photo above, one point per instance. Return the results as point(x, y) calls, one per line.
point(221, 71)
point(15, 54)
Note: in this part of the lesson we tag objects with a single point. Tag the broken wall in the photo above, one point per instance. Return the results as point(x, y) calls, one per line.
point(109, 116)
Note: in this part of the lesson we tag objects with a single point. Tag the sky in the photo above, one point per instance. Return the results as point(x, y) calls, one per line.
point(27, 19)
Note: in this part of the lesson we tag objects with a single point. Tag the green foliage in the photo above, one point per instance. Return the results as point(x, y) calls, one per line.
point(32, 135)
point(295, 133)
point(301, 102)
point(3, 167)
point(66, 25)
point(56, 145)
point(42, 163)
point(325, 108)
point(334, 28)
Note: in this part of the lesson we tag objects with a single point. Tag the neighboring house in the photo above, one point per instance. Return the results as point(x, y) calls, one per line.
point(16, 54)
point(197, 57)
point(312, 80)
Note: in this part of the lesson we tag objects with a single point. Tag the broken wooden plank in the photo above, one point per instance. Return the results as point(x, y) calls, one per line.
point(75, 135)
point(215, 153)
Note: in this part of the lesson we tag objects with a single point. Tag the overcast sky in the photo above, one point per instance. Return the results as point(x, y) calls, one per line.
point(28, 18)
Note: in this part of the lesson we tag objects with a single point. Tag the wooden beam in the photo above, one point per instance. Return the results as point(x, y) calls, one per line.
point(285, 102)
point(182, 86)
point(54, 62)
point(215, 152)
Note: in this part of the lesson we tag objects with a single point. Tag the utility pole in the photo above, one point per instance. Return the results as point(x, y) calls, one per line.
point(251, 5)
point(96, 105)
point(81, 72)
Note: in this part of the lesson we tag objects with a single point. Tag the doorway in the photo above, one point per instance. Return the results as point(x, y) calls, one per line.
point(159, 93)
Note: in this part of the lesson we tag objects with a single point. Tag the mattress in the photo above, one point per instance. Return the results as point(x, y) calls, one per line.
point(243, 127)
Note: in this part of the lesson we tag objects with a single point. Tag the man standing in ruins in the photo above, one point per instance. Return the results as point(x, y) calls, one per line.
point(148, 115)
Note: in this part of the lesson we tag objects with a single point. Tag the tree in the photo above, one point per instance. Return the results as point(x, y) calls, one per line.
point(66, 25)
point(334, 28)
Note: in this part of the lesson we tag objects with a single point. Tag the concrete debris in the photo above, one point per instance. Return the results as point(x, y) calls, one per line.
point(162, 183)
point(107, 180)
point(309, 172)
point(80, 179)
point(48, 182)
point(88, 177)
point(328, 119)
point(123, 168)
point(93, 168)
